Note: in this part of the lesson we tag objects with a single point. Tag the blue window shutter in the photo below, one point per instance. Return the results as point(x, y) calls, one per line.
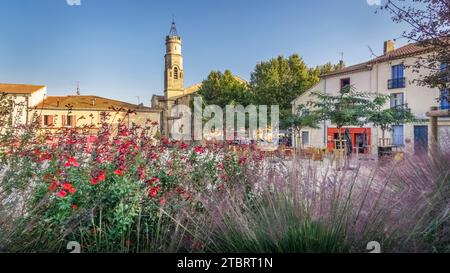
point(397, 135)
point(444, 99)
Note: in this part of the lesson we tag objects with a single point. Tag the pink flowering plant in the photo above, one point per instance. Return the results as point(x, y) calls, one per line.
point(121, 188)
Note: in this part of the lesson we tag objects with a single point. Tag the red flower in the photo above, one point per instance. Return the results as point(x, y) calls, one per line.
point(67, 186)
point(72, 190)
point(118, 172)
point(74, 206)
point(61, 194)
point(71, 161)
point(95, 181)
point(153, 180)
point(199, 150)
point(141, 172)
point(162, 201)
point(153, 192)
point(102, 176)
point(53, 186)
point(183, 146)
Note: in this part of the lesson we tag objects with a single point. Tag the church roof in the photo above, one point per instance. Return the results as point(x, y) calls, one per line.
point(173, 30)
point(19, 88)
point(90, 103)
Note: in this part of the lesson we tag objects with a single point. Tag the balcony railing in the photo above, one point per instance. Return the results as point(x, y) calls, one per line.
point(397, 83)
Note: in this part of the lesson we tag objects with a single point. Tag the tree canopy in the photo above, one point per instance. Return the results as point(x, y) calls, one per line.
point(224, 89)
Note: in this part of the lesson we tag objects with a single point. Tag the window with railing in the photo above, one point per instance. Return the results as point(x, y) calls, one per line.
point(398, 77)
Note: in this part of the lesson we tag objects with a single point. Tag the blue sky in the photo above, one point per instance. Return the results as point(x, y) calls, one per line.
point(115, 48)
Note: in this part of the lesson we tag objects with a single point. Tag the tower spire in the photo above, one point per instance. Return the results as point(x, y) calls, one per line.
point(173, 29)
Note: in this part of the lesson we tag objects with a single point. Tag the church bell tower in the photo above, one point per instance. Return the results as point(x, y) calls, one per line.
point(174, 72)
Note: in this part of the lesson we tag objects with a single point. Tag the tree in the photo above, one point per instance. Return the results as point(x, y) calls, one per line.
point(429, 23)
point(324, 69)
point(302, 118)
point(386, 118)
point(279, 81)
point(347, 108)
point(224, 89)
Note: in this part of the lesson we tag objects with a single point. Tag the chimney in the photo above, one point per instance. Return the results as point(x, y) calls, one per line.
point(341, 64)
point(57, 103)
point(389, 46)
point(93, 101)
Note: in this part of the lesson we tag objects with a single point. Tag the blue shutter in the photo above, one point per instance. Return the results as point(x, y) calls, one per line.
point(444, 99)
point(397, 135)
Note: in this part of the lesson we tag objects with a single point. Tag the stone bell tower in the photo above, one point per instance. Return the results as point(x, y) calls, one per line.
point(174, 72)
point(173, 77)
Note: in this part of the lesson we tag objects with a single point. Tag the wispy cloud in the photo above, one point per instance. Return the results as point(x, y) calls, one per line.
point(73, 2)
point(374, 2)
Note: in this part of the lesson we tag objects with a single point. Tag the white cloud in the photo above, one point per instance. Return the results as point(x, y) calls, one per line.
point(77, 2)
point(374, 2)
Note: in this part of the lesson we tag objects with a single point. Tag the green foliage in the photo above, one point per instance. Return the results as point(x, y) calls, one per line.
point(279, 81)
point(385, 118)
point(224, 89)
point(347, 108)
point(302, 118)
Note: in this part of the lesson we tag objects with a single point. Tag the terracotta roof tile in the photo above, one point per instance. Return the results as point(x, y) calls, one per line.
point(402, 52)
point(89, 103)
point(19, 88)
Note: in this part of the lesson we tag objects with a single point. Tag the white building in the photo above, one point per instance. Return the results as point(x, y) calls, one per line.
point(388, 74)
point(24, 97)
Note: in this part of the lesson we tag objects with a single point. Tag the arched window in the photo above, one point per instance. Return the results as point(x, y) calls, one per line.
point(175, 73)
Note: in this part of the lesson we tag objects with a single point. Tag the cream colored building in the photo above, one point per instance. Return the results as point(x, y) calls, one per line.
point(23, 97)
point(388, 74)
point(57, 112)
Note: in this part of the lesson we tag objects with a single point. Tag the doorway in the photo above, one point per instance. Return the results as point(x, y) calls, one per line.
point(421, 139)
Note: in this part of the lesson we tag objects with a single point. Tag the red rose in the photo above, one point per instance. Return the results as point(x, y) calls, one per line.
point(183, 146)
point(74, 206)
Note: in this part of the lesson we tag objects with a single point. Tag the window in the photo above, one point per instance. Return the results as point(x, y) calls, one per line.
point(397, 135)
point(175, 73)
point(397, 99)
point(345, 83)
point(68, 121)
point(305, 138)
point(48, 120)
point(398, 71)
point(398, 77)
